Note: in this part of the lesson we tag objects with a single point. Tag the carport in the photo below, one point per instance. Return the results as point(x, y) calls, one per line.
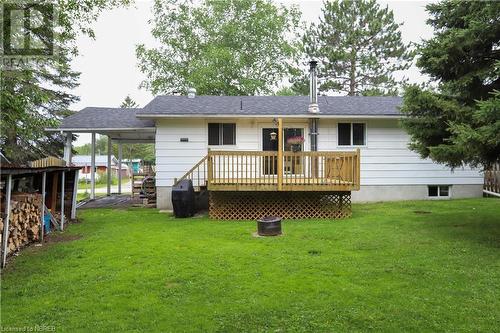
point(120, 125)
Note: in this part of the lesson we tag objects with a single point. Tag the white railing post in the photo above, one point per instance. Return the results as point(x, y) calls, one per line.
point(6, 221)
point(42, 218)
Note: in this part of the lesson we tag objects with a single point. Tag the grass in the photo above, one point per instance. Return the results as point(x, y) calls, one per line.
point(103, 184)
point(86, 195)
point(408, 266)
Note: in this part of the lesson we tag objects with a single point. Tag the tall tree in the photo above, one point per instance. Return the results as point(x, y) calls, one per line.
point(128, 102)
point(232, 47)
point(37, 96)
point(459, 122)
point(359, 47)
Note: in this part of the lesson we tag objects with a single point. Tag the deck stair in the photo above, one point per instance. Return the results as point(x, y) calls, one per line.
point(198, 174)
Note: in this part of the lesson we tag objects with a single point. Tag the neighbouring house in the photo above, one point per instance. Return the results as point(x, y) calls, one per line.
point(351, 147)
point(101, 165)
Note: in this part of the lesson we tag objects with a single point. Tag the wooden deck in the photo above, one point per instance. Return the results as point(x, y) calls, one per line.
point(299, 183)
point(277, 171)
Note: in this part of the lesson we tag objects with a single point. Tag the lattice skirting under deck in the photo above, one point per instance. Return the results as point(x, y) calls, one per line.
point(226, 205)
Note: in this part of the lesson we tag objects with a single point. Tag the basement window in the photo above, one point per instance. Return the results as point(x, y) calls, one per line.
point(221, 134)
point(439, 191)
point(351, 134)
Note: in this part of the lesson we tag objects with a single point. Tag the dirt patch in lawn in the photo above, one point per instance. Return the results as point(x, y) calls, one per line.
point(421, 212)
point(60, 238)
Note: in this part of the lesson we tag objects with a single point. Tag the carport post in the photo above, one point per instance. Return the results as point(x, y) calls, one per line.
point(5, 235)
point(67, 148)
point(108, 190)
point(120, 155)
point(63, 181)
point(75, 193)
point(42, 218)
point(92, 167)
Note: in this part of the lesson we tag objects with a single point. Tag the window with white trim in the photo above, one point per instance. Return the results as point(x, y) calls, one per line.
point(351, 134)
point(438, 191)
point(221, 134)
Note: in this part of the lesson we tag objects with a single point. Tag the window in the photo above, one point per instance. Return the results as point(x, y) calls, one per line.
point(351, 134)
point(439, 191)
point(221, 134)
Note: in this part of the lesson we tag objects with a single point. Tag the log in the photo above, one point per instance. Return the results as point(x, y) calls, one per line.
point(24, 227)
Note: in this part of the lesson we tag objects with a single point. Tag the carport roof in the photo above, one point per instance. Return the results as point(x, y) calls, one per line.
point(121, 124)
point(105, 118)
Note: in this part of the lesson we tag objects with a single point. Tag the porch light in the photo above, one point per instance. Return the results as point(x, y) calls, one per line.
point(273, 135)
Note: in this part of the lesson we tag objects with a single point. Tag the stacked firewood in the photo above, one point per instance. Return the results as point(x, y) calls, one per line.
point(25, 215)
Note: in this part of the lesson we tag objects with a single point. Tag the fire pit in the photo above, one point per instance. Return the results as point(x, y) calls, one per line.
point(269, 226)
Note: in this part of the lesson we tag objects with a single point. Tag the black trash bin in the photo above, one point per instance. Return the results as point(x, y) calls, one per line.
point(183, 199)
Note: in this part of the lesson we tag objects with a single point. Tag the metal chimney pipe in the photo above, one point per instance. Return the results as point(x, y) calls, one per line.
point(313, 90)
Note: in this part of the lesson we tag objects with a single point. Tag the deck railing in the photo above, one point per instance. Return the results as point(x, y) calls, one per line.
point(198, 174)
point(285, 171)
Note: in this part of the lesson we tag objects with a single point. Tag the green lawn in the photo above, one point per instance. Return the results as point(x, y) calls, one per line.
point(125, 182)
point(410, 266)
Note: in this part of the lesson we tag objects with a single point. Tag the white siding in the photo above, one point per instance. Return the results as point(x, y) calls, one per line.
point(175, 158)
point(385, 160)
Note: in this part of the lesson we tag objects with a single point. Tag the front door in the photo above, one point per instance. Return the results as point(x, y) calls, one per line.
point(269, 144)
point(291, 165)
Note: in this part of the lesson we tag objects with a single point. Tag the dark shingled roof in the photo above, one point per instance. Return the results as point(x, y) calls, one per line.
point(271, 105)
point(98, 118)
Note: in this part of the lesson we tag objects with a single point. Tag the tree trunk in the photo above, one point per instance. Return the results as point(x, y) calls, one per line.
point(352, 75)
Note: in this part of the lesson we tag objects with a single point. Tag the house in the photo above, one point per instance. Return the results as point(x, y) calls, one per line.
point(351, 147)
point(101, 165)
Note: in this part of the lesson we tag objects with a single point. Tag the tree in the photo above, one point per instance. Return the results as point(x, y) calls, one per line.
point(458, 123)
point(359, 47)
point(233, 47)
point(128, 102)
point(35, 97)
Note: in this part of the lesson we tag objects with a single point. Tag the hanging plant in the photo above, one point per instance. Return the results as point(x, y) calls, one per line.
point(295, 140)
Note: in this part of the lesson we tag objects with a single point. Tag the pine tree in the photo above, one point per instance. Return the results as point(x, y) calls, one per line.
point(128, 102)
point(459, 122)
point(38, 96)
point(359, 47)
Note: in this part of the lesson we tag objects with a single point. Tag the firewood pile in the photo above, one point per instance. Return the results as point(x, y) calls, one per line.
point(24, 226)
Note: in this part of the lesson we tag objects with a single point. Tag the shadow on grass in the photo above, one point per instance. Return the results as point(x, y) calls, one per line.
point(459, 220)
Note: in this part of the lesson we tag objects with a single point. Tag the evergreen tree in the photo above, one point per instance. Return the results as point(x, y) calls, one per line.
point(459, 122)
point(359, 47)
point(128, 102)
point(38, 96)
point(233, 47)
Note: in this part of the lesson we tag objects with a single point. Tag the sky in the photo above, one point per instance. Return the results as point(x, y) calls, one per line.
point(108, 63)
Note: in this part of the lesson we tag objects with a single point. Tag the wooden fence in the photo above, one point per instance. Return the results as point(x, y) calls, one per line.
point(492, 179)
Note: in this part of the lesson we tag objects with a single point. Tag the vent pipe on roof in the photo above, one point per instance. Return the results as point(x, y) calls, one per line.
point(313, 90)
point(191, 92)
point(313, 108)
